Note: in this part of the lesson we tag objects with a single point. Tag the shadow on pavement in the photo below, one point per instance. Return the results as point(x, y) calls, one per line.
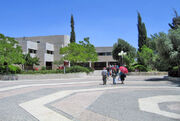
point(164, 79)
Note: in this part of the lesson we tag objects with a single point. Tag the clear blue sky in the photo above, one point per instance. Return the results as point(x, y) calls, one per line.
point(104, 21)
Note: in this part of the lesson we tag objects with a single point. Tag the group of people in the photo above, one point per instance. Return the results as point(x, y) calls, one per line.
point(113, 71)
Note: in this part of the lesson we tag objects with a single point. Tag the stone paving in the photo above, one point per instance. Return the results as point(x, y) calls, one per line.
point(141, 98)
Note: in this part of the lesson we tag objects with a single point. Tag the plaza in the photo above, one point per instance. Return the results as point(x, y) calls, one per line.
point(142, 98)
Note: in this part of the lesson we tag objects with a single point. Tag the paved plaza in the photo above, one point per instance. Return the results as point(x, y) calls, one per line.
point(141, 98)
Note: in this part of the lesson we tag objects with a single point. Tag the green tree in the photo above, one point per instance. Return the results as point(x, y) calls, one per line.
point(31, 61)
point(73, 37)
point(168, 47)
point(10, 52)
point(89, 50)
point(82, 52)
point(122, 45)
point(175, 21)
point(142, 34)
point(147, 57)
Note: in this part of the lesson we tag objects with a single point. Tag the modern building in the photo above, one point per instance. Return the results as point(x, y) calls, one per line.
point(104, 57)
point(46, 48)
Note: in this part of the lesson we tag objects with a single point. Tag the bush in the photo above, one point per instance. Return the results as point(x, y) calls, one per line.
point(139, 68)
point(42, 72)
point(14, 69)
point(75, 69)
point(43, 68)
point(173, 72)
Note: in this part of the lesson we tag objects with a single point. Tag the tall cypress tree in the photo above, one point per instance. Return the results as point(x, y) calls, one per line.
point(73, 37)
point(142, 34)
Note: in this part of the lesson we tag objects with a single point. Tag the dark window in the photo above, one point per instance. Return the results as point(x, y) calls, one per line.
point(104, 53)
point(32, 51)
point(50, 52)
point(101, 54)
point(108, 53)
point(49, 65)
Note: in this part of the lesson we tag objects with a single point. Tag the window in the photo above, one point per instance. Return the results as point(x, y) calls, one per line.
point(104, 54)
point(108, 53)
point(32, 51)
point(101, 54)
point(50, 52)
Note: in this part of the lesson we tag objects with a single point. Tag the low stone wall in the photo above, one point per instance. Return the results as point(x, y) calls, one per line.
point(68, 75)
point(147, 73)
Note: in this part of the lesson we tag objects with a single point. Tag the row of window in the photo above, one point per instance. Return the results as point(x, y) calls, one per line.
point(52, 52)
point(35, 51)
point(104, 53)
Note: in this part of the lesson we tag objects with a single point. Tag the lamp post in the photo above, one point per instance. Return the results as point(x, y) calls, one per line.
point(122, 53)
point(64, 65)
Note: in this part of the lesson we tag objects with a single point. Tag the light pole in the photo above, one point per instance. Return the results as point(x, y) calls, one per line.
point(122, 53)
point(64, 66)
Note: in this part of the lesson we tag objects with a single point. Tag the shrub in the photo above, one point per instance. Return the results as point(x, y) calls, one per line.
point(173, 72)
point(139, 68)
point(14, 69)
point(75, 69)
point(43, 68)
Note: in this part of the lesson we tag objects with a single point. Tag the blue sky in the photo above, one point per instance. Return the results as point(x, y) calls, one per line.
point(104, 21)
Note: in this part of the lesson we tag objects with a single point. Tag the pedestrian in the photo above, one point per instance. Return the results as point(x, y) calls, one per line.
point(108, 70)
point(117, 69)
point(114, 74)
point(104, 75)
point(122, 76)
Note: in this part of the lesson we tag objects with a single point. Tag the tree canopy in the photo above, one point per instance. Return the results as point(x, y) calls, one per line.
point(10, 51)
point(175, 21)
point(30, 61)
point(168, 46)
point(122, 45)
point(82, 52)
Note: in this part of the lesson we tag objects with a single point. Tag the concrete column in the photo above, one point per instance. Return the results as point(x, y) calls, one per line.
point(90, 64)
point(106, 63)
point(69, 64)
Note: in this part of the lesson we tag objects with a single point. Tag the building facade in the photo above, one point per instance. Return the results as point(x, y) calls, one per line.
point(104, 57)
point(46, 48)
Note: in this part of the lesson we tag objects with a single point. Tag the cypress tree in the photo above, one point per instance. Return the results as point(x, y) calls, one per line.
point(73, 37)
point(142, 34)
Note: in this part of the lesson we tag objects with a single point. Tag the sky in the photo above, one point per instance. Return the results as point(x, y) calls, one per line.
point(104, 21)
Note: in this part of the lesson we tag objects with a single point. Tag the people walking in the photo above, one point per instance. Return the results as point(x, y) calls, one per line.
point(104, 75)
point(123, 72)
point(122, 77)
point(114, 74)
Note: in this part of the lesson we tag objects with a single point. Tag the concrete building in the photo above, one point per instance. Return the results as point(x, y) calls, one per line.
point(46, 48)
point(104, 57)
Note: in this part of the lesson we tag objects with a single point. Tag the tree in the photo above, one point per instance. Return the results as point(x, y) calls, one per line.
point(89, 50)
point(176, 21)
point(73, 37)
point(142, 34)
point(168, 46)
point(82, 52)
point(10, 52)
point(30, 61)
point(146, 56)
point(122, 45)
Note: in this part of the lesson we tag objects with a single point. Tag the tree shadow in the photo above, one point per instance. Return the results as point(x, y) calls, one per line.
point(164, 79)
